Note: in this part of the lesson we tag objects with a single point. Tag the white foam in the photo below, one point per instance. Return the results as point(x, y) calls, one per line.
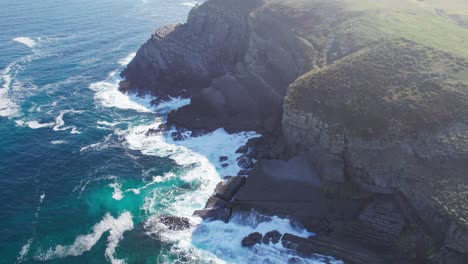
point(108, 94)
point(127, 60)
point(24, 251)
point(171, 104)
point(83, 243)
point(41, 198)
point(8, 107)
point(59, 122)
point(190, 3)
point(213, 236)
point(201, 158)
point(108, 124)
point(117, 194)
point(97, 146)
point(26, 41)
point(36, 125)
point(58, 142)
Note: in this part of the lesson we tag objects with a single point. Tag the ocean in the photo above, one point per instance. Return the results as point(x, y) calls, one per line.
point(81, 180)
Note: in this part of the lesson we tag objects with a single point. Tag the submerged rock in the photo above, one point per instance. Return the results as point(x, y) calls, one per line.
point(252, 239)
point(175, 223)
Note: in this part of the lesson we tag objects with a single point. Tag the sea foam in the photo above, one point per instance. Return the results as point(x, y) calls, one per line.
point(59, 122)
point(214, 242)
point(24, 251)
point(190, 3)
point(8, 107)
point(83, 243)
point(26, 41)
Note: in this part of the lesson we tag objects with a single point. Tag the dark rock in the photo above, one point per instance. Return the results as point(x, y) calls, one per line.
point(242, 150)
point(245, 162)
point(224, 165)
point(223, 158)
point(213, 59)
point(215, 202)
point(272, 236)
point(294, 260)
point(244, 172)
point(175, 223)
point(340, 249)
point(252, 239)
point(222, 214)
point(227, 189)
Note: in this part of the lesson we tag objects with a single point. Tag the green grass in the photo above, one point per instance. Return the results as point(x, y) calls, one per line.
point(365, 21)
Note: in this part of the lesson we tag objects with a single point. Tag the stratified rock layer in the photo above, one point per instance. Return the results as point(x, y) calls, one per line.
point(392, 119)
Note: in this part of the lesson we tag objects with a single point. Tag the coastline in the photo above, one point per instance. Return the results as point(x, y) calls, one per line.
point(312, 166)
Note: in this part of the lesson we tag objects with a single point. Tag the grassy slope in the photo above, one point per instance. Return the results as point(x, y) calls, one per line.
point(372, 20)
point(391, 89)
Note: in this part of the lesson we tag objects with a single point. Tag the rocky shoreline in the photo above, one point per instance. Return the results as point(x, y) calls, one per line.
point(364, 140)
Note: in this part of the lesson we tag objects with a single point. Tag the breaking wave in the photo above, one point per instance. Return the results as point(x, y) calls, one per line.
point(83, 243)
point(30, 43)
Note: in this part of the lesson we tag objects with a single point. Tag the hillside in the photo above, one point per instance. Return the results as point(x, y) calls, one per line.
point(387, 109)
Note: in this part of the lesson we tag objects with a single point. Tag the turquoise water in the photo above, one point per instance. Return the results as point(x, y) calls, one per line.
point(81, 181)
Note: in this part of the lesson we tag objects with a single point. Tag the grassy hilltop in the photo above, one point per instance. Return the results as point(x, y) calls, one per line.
point(405, 58)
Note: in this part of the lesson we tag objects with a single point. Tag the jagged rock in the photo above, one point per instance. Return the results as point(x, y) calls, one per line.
point(245, 162)
point(252, 239)
point(224, 165)
point(228, 188)
point(215, 202)
point(214, 59)
point(222, 214)
point(175, 223)
point(272, 236)
point(223, 158)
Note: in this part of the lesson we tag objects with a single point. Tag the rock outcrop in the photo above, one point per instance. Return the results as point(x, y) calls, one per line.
point(234, 58)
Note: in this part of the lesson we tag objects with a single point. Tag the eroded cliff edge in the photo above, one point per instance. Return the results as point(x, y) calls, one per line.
point(373, 130)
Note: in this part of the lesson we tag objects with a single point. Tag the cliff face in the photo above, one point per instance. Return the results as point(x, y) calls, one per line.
point(235, 60)
point(391, 130)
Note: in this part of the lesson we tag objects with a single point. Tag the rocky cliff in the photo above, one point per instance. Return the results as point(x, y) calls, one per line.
point(235, 60)
point(366, 103)
point(391, 119)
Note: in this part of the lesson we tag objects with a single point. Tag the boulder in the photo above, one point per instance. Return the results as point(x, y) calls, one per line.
point(222, 214)
point(252, 239)
point(223, 158)
point(272, 236)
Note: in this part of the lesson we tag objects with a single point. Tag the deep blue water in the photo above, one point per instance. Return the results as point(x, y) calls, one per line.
point(80, 180)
